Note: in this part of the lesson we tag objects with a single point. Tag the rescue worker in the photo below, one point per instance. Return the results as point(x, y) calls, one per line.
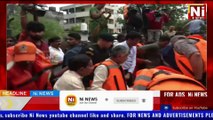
point(191, 56)
point(109, 75)
point(157, 79)
point(26, 68)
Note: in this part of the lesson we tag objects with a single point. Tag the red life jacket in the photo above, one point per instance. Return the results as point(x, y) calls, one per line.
point(21, 79)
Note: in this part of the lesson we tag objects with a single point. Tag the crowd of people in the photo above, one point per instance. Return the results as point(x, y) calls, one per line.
point(156, 60)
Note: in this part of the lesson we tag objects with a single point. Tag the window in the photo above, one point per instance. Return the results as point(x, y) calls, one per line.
point(71, 10)
point(80, 20)
point(72, 20)
point(80, 9)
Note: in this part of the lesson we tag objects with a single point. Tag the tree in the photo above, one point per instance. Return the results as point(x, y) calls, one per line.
point(178, 15)
point(76, 28)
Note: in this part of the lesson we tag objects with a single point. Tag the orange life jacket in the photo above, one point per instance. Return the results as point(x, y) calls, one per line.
point(155, 79)
point(195, 36)
point(183, 62)
point(19, 79)
point(115, 80)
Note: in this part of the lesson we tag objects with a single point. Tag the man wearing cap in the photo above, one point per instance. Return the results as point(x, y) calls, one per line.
point(100, 50)
point(20, 75)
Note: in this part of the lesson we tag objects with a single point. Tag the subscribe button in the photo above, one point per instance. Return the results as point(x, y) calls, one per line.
point(126, 100)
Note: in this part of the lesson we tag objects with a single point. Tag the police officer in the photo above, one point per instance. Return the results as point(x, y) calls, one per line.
point(100, 50)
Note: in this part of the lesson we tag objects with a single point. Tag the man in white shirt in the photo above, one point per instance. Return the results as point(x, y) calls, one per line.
point(79, 66)
point(56, 54)
point(132, 39)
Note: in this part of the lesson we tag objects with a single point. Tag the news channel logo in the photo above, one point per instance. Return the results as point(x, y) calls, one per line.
point(71, 100)
point(197, 11)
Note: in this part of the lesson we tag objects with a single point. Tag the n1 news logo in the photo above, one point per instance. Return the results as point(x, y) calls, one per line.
point(197, 11)
point(71, 100)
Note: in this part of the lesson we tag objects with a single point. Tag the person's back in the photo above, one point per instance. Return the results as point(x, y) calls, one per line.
point(71, 53)
point(191, 56)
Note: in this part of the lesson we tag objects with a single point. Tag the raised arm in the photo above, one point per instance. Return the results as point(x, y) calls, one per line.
point(23, 15)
